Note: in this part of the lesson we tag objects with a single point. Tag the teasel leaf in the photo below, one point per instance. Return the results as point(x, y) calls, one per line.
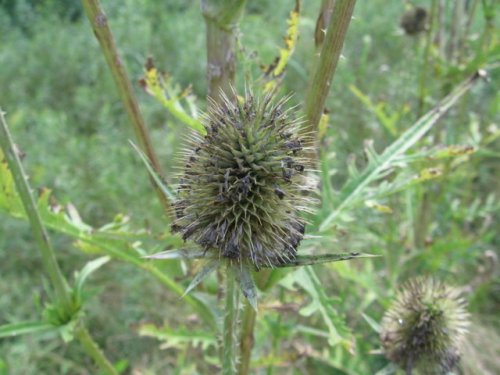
point(177, 254)
point(207, 269)
point(247, 285)
point(308, 260)
point(156, 178)
point(16, 329)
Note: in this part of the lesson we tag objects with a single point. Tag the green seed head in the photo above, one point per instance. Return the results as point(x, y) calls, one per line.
point(425, 327)
point(244, 183)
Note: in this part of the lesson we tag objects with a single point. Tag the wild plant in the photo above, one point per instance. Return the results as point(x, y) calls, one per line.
point(244, 202)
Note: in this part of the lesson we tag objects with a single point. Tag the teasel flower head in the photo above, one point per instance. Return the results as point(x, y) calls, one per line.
point(414, 20)
point(244, 183)
point(425, 327)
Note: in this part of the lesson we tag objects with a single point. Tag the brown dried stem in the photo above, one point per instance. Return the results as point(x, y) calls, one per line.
point(103, 33)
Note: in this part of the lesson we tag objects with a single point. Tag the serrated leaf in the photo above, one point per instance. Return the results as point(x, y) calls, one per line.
point(170, 96)
point(17, 329)
point(177, 338)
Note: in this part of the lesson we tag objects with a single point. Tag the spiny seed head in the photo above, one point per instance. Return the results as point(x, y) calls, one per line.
point(425, 327)
point(244, 183)
point(414, 20)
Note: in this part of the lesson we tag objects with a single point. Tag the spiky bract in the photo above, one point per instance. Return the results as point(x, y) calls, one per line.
point(244, 182)
point(425, 327)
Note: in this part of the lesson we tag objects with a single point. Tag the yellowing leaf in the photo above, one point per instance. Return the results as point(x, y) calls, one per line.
point(273, 73)
point(378, 207)
point(454, 150)
point(169, 95)
point(323, 125)
point(428, 174)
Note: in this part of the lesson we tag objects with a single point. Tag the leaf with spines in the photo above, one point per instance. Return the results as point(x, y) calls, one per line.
point(206, 271)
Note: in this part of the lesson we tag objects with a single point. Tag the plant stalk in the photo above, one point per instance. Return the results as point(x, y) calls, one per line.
point(323, 20)
point(229, 335)
point(328, 59)
point(39, 232)
point(94, 351)
point(103, 33)
point(49, 260)
point(246, 338)
point(221, 19)
point(423, 89)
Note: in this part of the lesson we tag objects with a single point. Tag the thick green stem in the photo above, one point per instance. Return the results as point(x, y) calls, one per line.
point(221, 19)
point(94, 351)
point(230, 333)
point(325, 14)
point(246, 338)
point(329, 56)
point(39, 232)
point(63, 293)
point(102, 31)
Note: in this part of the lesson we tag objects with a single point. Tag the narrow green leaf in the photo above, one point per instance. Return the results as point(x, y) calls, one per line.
point(157, 179)
point(177, 254)
point(200, 276)
point(86, 271)
point(247, 285)
point(354, 187)
point(372, 323)
point(16, 329)
point(307, 260)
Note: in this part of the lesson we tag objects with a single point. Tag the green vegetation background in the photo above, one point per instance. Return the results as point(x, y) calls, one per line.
point(65, 115)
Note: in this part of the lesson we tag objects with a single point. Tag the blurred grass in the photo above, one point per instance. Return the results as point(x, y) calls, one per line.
point(66, 116)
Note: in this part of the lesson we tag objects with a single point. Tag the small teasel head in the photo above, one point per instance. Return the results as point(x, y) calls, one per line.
point(425, 327)
point(414, 20)
point(244, 183)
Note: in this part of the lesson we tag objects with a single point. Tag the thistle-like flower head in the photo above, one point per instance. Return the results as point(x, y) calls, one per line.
point(243, 184)
point(425, 327)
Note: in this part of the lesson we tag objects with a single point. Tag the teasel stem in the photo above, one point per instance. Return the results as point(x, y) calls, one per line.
point(323, 20)
point(40, 234)
point(328, 59)
point(94, 351)
point(102, 31)
point(221, 19)
point(422, 89)
point(49, 260)
point(229, 335)
point(246, 338)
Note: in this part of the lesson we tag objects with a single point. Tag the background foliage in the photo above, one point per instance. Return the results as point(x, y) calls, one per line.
point(65, 115)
